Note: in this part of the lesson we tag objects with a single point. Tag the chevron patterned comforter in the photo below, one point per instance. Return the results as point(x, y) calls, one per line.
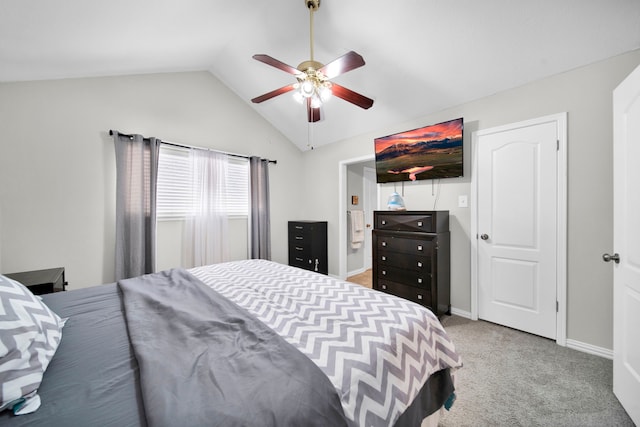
point(377, 350)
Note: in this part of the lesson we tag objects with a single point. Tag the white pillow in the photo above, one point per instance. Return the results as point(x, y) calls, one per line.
point(29, 337)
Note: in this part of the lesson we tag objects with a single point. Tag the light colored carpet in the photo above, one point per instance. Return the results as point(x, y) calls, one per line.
point(511, 378)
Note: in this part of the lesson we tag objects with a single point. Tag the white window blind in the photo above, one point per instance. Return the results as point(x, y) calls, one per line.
point(175, 197)
point(238, 187)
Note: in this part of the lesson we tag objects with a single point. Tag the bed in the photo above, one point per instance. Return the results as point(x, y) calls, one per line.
point(242, 343)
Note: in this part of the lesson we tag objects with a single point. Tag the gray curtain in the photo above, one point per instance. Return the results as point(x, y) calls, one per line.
point(260, 210)
point(137, 175)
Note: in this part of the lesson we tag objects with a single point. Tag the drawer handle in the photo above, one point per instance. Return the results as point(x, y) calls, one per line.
point(384, 243)
point(299, 259)
point(384, 272)
point(383, 222)
point(384, 286)
point(299, 237)
point(383, 258)
point(420, 248)
point(419, 280)
point(419, 264)
point(298, 248)
point(419, 296)
point(299, 227)
point(419, 223)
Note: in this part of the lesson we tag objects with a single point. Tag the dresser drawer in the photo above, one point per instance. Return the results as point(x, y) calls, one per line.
point(302, 262)
point(404, 223)
point(303, 228)
point(417, 295)
point(420, 279)
point(420, 221)
point(407, 243)
point(400, 260)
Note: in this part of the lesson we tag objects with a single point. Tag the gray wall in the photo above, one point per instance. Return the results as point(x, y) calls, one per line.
point(586, 95)
point(57, 164)
point(57, 172)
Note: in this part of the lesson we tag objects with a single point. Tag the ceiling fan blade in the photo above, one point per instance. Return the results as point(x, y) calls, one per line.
point(277, 64)
point(272, 94)
point(347, 62)
point(313, 114)
point(351, 96)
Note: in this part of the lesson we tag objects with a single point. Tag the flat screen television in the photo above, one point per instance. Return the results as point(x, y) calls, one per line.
point(429, 152)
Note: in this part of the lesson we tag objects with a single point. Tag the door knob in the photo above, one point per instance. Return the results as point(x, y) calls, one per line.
point(484, 236)
point(608, 258)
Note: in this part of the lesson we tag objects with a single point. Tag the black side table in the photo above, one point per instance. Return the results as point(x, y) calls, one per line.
point(41, 281)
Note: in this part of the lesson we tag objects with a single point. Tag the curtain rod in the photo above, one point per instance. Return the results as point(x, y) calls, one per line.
point(192, 147)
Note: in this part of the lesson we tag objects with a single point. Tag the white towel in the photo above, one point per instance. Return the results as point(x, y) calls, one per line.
point(357, 228)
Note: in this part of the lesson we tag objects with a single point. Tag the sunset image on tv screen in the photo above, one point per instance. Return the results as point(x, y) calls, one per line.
point(429, 152)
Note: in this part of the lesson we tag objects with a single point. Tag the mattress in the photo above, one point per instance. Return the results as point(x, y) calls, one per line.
point(93, 377)
point(344, 329)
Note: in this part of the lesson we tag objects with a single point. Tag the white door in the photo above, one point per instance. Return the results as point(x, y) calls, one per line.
point(370, 203)
point(517, 171)
point(626, 243)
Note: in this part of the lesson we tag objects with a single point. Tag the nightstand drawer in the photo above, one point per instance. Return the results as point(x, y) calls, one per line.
point(41, 281)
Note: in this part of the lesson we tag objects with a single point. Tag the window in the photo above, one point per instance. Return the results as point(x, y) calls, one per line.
point(175, 198)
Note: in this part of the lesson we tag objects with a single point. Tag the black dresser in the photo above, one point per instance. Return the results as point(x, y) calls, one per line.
point(308, 245)
point(411, 257)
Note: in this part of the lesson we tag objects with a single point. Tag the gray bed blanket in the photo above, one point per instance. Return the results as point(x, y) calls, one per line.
point(206, 362)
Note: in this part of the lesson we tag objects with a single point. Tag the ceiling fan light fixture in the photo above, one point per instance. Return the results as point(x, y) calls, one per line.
point(307, 88)
point(298, 96)
point(313, 78)
point(325, 92)
point(316, 102)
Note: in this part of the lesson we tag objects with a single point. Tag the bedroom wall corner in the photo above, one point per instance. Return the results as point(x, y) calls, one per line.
point(57, 163)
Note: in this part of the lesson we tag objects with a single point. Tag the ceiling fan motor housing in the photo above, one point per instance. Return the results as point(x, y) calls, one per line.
point(312, 4)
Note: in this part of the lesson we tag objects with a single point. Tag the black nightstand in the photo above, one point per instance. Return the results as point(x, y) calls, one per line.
point(41, 281)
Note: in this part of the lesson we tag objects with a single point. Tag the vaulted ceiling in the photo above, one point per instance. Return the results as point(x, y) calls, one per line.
point(421, 56)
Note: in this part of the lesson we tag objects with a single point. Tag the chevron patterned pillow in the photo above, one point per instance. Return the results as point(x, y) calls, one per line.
point(29, 336)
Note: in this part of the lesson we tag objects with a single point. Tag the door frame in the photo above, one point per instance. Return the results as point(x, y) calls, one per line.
point(342, 210)
point(369, 203)
point(561, 218)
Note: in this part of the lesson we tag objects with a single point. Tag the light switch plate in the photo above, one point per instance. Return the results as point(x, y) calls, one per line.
point(463, 202)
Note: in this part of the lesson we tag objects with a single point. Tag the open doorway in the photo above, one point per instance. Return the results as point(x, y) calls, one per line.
point(358, 191)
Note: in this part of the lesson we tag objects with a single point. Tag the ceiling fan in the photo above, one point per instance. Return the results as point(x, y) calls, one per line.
point(314, 83)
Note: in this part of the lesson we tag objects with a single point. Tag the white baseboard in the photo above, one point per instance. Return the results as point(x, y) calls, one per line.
point(354, 272)
point(461, 313)
point(573, 344)
point(591, 349)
